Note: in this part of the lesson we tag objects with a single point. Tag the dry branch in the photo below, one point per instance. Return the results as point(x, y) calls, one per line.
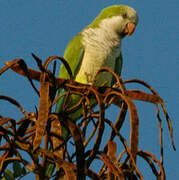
point(27, 133)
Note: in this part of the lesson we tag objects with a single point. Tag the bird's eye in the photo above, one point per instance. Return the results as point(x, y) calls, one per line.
point(124, 15)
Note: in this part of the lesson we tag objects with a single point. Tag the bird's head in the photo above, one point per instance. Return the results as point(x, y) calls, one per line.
point(121, 18)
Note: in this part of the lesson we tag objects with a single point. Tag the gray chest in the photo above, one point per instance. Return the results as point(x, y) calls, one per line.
point(101, 50)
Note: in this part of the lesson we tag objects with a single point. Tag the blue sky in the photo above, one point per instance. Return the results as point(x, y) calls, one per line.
point(150, 54)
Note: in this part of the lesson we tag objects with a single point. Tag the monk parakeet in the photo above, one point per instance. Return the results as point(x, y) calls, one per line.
point(96, 46)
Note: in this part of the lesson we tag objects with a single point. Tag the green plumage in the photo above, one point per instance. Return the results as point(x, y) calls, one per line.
point(73, 58)
point(108, 12)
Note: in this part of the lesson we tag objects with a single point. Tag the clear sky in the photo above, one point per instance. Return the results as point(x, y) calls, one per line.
point(150, 54)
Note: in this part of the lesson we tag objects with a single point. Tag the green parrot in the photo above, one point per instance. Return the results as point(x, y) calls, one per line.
point(97, 46)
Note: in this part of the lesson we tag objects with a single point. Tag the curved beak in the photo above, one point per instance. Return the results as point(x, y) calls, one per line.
point(129, 29)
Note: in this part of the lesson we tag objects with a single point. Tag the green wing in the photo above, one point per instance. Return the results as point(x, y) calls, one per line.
point(73, 55)
point(118, 68)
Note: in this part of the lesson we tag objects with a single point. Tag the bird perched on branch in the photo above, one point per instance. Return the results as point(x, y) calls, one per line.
point(97, 46)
